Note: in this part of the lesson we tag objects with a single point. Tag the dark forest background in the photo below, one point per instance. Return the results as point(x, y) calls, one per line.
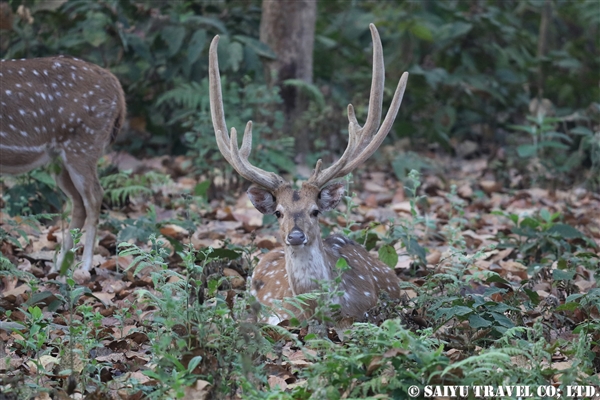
point(515, 80)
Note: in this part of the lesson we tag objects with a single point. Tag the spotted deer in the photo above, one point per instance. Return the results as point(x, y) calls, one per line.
point(67, 109)
point(305, 259)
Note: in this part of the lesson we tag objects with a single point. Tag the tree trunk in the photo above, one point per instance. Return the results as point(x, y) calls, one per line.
point(288, 27)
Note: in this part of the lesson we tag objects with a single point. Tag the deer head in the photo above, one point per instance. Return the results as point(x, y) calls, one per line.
point(298, 210)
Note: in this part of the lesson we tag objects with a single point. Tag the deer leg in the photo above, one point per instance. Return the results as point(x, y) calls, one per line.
point(78, 213)
point(85, 180)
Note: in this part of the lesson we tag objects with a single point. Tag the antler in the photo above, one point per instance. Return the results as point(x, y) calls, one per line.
point(363, 141)
point(237, 157)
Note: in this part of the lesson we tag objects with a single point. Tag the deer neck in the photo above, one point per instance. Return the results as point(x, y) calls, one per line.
point(306, 266)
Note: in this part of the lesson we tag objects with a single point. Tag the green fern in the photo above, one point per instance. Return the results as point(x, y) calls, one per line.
point(123, 185)
point(189, 95)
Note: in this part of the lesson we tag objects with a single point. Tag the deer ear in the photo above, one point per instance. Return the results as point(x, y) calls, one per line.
point(330, 196)
point(262, 199)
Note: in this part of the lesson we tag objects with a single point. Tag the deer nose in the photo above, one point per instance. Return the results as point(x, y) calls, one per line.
point(296, 237)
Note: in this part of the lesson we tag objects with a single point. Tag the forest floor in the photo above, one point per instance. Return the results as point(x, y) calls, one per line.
point(487, 265)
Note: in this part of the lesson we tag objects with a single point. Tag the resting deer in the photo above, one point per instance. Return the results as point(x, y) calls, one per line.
point(305, 258)
point(67, 109)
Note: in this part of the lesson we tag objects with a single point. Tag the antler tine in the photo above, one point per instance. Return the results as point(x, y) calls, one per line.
point(217, 113)
point(367, 148)
point(364, 141)
point(236, 157)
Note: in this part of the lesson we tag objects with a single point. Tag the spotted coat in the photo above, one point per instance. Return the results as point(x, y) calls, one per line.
point(66, 109)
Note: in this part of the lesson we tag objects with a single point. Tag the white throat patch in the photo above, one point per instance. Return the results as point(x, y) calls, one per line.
point(305, 265)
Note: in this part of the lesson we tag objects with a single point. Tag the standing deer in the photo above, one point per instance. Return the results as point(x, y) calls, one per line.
point(305, 258)
point(61, 108)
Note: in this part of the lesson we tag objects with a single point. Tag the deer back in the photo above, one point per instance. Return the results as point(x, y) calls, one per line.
point(54, 105)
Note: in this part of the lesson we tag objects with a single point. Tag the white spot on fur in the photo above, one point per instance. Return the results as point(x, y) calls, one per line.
point(273, 320)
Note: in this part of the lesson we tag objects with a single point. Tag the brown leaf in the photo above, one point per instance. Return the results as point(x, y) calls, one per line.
point(275, 381)
point(401, 207)
point(465, 191)
point(489, 186)
point(138, 337)
point(298, 358)
point(399, 194)
point(269, 243)
point(174, 231)
point(455, 355)
point(200, 391)
point(501, 255)
point(234, 277)
point(50, 236)
point(434, 257)
point(374, 187)
point(514, 268)
point(374, 365)
point(394, 352)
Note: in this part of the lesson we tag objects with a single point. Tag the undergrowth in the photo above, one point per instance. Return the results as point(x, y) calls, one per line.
point(479, 329)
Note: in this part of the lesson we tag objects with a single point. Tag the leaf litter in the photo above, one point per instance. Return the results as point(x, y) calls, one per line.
point(507, 239)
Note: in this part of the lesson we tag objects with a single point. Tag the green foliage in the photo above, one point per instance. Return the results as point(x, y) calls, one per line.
point(542, 236)
point(388, 255)
point(584, 302)
point(152, 49)
point(551, 154)
point(14, 226)
point(403, 231)
point(143, 228)
point(243, 102)
point(33, 193)
point(479, 310)
point(472, 61)
point(405, 162)
point(474, 69)
point(120, 186)
point(218, 341)
point(385, 359)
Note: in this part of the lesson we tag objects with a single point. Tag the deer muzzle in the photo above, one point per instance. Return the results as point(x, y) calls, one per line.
point(296, 237)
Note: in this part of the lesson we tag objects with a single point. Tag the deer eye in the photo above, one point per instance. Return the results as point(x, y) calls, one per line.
point(277, 214)
point(315, 213)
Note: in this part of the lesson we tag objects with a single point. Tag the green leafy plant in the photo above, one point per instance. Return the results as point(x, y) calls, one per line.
point(248, 101)
point(541, 235)
point(212, 340)
point(384, 359)
point(118, 187)
point(404, 231)
point(33, 193)
point(549, 154)
point(142, 228)
point(151, 49)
